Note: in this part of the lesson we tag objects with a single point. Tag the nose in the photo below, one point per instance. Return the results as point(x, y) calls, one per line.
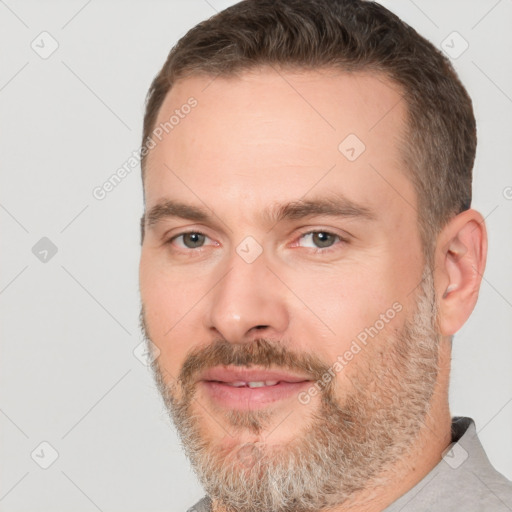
point(247, 303)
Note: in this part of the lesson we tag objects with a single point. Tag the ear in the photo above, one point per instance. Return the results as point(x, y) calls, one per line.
point(461, 252)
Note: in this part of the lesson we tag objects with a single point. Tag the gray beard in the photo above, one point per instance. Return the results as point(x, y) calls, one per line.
point(345, 446)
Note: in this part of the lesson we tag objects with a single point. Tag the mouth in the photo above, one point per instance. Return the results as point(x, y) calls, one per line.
point(250, 389)
point(254, 384)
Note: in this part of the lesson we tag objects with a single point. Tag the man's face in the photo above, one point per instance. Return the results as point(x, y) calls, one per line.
point(272, 285)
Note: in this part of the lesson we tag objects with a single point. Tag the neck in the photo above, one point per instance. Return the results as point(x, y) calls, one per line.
point(426, 450)
point(395, 481)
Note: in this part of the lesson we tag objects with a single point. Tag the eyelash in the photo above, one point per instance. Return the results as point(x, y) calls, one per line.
point(317, 250)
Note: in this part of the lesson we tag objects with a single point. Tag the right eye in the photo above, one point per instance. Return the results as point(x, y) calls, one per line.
point(189, 240)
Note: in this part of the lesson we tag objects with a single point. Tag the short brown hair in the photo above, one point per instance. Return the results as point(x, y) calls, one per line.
point(352, 35)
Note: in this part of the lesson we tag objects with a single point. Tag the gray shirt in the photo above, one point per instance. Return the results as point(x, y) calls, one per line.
point(463, 480)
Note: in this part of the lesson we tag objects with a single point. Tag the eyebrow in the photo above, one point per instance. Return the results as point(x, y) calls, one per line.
point(169, 209)
point(339, 206)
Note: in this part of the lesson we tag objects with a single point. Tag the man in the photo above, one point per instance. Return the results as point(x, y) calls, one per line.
point(308, 253)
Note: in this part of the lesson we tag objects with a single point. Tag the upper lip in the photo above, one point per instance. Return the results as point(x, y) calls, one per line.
point(239, 374)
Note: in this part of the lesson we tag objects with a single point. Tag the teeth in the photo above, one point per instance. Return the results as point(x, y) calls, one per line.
point(256, 384)
point(261, 384)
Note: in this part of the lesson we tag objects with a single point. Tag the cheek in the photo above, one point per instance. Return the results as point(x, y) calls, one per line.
point(342, 310)
point(171, 304)
point(346, 299)
point(355, 313)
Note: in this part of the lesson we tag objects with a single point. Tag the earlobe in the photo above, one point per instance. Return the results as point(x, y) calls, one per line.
point(462, 251)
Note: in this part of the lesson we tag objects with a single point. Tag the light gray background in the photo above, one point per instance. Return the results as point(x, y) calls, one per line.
point(68, 375)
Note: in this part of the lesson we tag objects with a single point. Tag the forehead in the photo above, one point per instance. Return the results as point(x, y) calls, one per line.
point(270, 133)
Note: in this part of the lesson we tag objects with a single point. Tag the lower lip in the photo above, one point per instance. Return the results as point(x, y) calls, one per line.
point(245, 398)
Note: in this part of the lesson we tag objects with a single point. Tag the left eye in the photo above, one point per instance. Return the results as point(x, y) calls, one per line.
point(320, 239)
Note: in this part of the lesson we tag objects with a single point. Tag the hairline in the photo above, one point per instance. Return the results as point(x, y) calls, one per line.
point(237, 72)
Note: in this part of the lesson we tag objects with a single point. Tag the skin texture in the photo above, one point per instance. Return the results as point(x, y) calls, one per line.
point(267, 138)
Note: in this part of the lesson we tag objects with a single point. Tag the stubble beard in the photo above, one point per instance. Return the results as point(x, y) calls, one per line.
point(343, 448)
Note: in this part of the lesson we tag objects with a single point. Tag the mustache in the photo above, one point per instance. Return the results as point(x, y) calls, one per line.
point(259, 352)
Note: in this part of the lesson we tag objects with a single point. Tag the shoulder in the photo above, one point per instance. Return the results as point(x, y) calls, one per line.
point(463, 480)
point(202, 505)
